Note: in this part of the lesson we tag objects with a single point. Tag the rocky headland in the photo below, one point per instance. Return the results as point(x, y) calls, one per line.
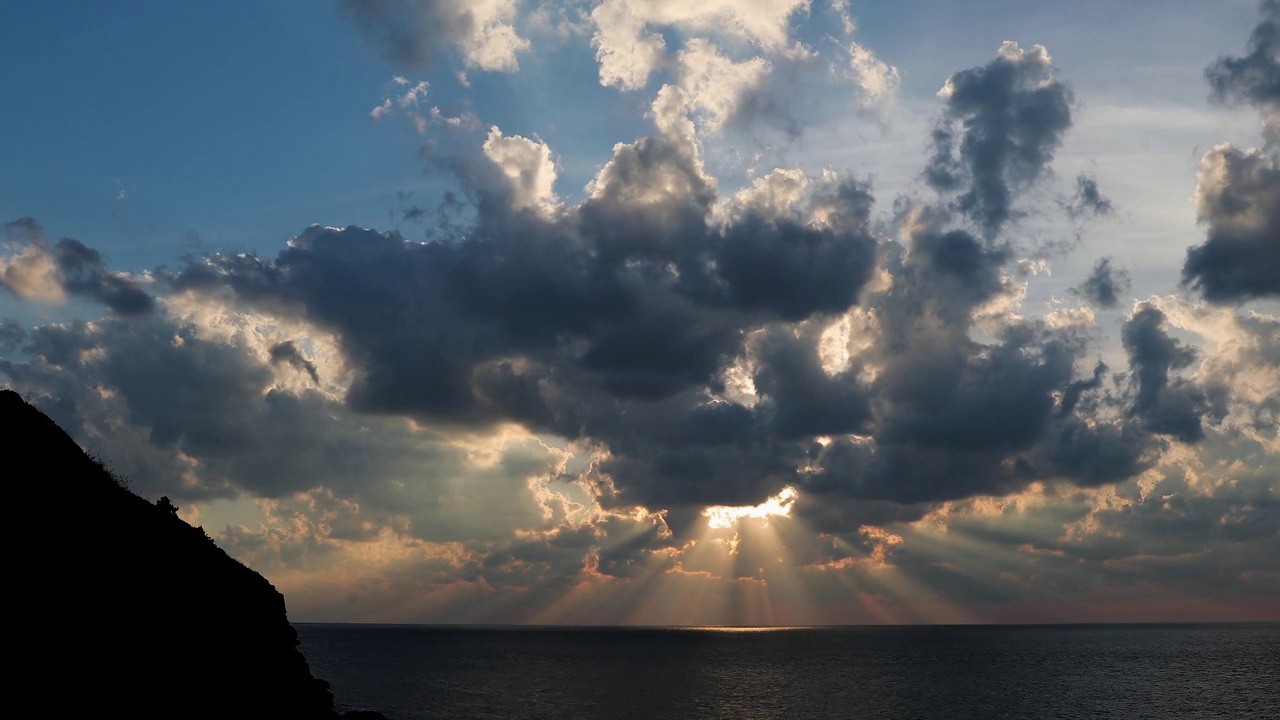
point(123, 607)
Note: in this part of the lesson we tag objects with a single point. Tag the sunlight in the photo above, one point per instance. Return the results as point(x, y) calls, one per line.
point(742, 568)
point(745, 628)
point(725, 516)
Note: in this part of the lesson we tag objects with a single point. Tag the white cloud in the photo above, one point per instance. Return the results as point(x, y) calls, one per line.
point(1235, 189)
point(491, 42)
point(629, 48)
point(382, 110)
point(878, 80)
point(661, 168)
point(626, 52)
point(527, 164)
point(738, 66)
point(847, 21)
point(775, 195)
point(1241, 356)
point(412, 32)
point(409, 101)
point(32, 273)
point(715, 84)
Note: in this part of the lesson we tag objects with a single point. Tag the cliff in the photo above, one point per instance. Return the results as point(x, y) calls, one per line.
point(122, 606)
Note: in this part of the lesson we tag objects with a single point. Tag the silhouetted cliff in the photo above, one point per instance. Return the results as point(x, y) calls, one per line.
point(122, 606)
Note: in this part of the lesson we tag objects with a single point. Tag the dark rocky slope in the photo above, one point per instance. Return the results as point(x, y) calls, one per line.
point(122, 606)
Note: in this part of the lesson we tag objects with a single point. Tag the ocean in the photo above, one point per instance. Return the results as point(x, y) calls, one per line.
point(1128, 672)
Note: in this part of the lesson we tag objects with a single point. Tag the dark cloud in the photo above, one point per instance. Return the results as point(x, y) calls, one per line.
point(610, 321)
point(1097, 453)
point(951, 417)
point(730, 459)
point(688, 342)
point(955, 419)
point(1166, 404)
point(412, 33)
point(85, 273)
point(1088, 199)
point(1255, 77)
point(288, 353)
point(796, 270)
point(1238, 198)
point(70, 266)
point(671, 348)
point(1175, 519)
point(1105, 285)
point(995, 396)
point(12, 335)
point(24, 229)
point(1238, 195)
point(1003, 122)
point(1071, 395)
point(406, 32)
point(636, 295)
point(194, 419)
point(948, 272)
point(803, 399)
point(1203, 544)
point(631, 546)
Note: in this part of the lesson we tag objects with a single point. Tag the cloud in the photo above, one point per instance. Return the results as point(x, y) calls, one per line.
point(1237, 190)
point(12, 335)
point(1167, 405)
point(1089, 199)
point(410, 33)
point(629, 51)
point(737, 63)
point(288, 353)
point(85, 273)
point(801, 399)
point(1191, 527)
point(877, 80)
point(1105, 284)
point(1003, 123)
point(531, 409)
point(795, 269)
point(528, 167)
point(31, 271)
point(1238, 197)
point(642, 295)
point(185, 414)
point(626, 52)
point(708, 349)
point(1255, 77)
point(1240, 370)
point(638, 292)
point(715, 84)
point(409, 100)
point(785, 90)
point(949, 417)
point(35, 270)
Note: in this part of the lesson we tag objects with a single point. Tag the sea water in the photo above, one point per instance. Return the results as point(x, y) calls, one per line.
point(1128, 672)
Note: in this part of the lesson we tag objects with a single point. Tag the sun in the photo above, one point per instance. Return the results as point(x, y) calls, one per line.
point(726, 516)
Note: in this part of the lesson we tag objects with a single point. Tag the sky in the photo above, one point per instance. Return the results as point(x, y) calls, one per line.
point(767, 312)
